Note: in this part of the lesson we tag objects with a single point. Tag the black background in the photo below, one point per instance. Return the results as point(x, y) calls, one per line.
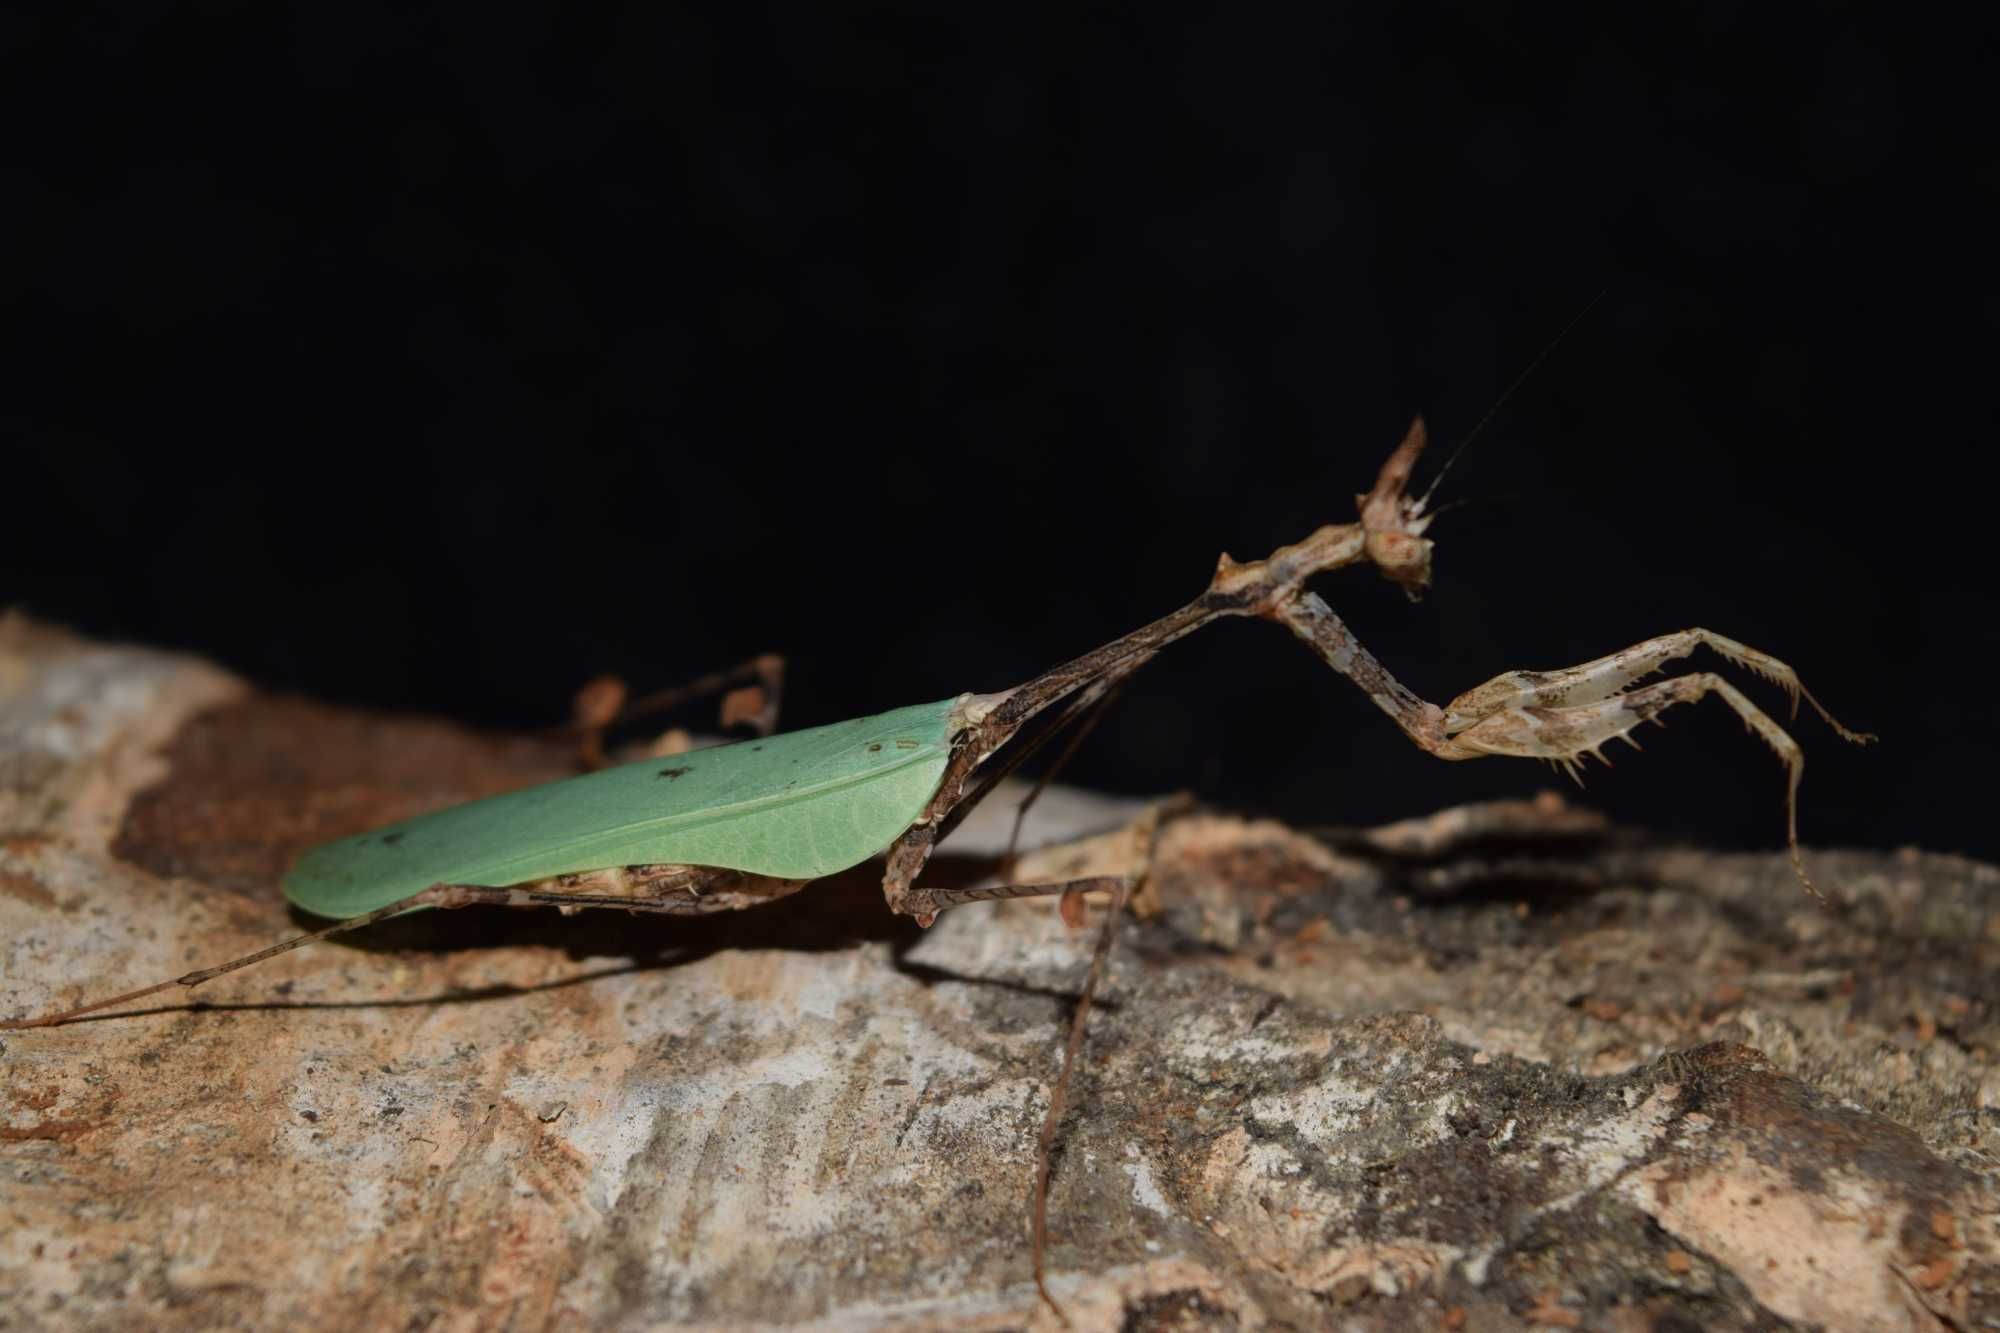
point(438, 362)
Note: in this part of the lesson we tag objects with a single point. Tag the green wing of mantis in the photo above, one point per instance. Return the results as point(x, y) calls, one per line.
point(796, 806)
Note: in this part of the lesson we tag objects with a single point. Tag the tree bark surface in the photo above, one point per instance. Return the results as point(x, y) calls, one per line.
point(1500, 1067)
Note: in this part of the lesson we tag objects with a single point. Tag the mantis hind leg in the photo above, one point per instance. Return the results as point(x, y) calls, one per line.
point(676, 890)
point(428, 898)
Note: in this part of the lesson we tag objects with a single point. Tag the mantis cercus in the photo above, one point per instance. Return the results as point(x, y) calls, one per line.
point(741, 825)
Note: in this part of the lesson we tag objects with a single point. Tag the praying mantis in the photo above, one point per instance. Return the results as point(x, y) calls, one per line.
point(742, 825)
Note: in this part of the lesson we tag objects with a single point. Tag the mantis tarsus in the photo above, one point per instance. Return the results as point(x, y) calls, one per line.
point(741, 825)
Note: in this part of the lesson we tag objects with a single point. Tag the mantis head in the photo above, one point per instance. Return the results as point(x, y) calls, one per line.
point(1391, 536)
point(1395, 523)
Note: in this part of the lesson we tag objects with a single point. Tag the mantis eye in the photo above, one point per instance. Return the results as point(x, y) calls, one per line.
point(1402, 558)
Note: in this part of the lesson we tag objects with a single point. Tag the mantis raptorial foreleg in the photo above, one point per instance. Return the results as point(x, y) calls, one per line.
point(1563, 715)
point(1564, 735)
point(1608, 676)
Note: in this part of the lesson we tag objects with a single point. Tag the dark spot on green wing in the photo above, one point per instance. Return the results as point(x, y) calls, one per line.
point(391, 839)
point(675, 772)
point(875, 748)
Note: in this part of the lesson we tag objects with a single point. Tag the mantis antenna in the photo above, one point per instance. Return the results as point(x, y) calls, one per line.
point(1423, 501)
